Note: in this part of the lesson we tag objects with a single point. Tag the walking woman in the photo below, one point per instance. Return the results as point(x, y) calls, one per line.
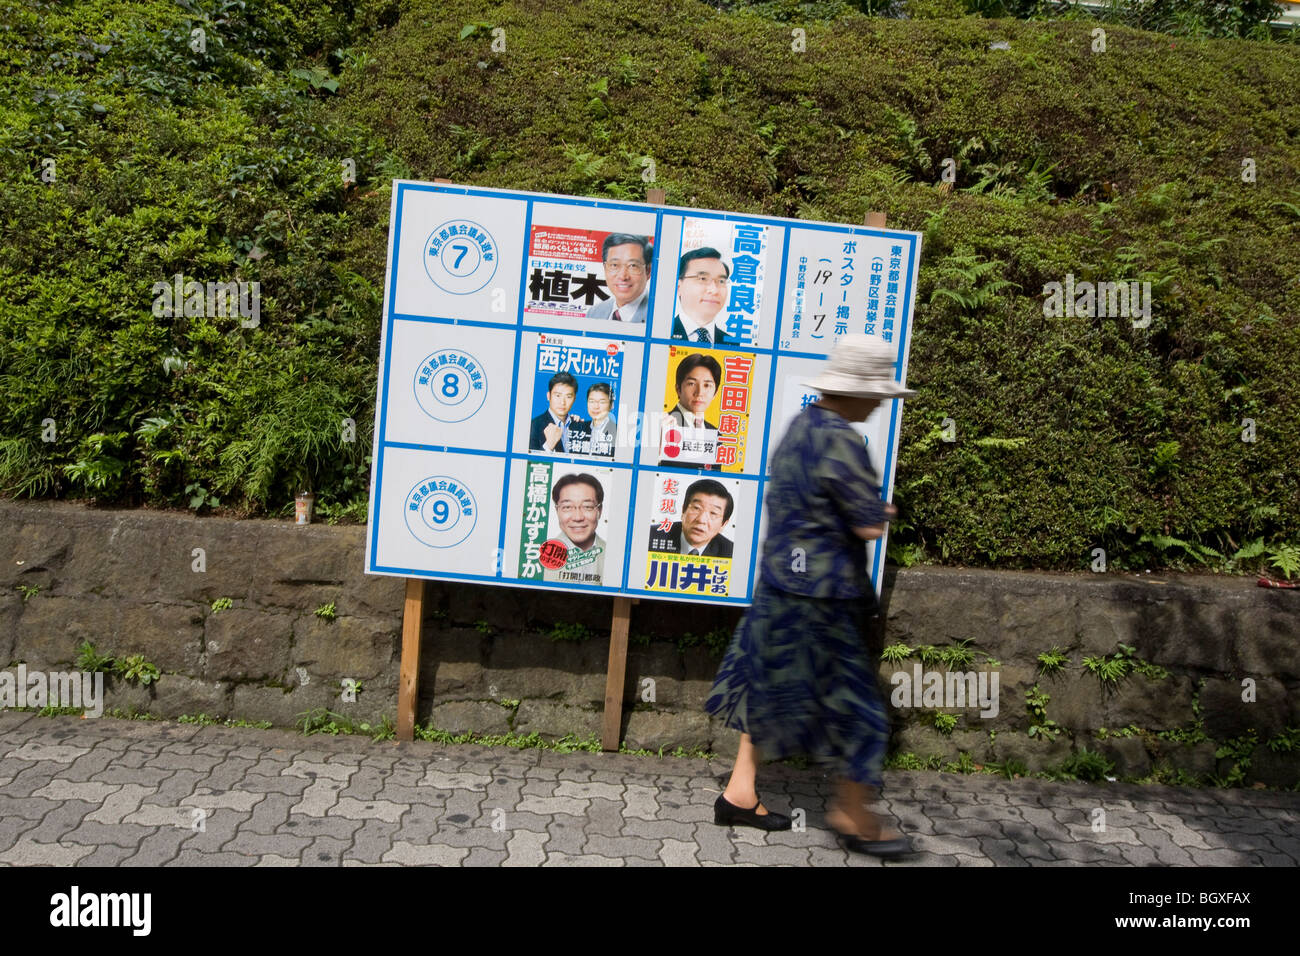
point(797, 676)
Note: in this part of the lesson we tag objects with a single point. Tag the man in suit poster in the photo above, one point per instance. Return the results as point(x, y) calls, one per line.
point(575, 553)
point(626, 260)
point(706, 509)
point(688, 438)
point(702, 280)
point(597, 435)
point(552, 429)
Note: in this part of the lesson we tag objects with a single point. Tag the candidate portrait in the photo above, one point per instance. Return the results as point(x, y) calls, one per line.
point(553, 429)
point(579, 500)
point(627, 276)
point(697, 380)
point(702, 283)
point(599, 434)
point(706, 509)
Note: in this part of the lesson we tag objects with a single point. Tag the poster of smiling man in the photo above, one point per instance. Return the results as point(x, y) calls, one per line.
point(708, 396)
point(565, 528)
point(692, 537)
point(576, 386)
point(720, 274)
point(564, 271)
point(578, 273)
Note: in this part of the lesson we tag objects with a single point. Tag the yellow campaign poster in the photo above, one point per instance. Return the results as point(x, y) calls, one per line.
point(708, 394)
point(692, 537)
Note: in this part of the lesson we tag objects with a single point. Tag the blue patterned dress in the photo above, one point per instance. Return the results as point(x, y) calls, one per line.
point(797, 676)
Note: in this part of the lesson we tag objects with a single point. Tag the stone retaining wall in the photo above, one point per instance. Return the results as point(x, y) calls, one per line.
point(130, 582)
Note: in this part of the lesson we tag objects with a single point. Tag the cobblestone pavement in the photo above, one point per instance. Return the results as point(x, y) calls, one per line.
point(114, 792)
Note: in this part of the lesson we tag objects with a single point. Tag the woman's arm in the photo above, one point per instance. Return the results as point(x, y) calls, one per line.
point(872, 532)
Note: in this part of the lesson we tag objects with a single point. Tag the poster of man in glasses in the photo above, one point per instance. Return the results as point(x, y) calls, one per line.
point(720, 282)
point(576, 273)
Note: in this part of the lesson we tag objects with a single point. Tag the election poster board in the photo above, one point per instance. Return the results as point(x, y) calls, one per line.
point(582, 395)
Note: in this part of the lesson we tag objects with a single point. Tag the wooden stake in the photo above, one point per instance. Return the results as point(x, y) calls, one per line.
point(875, 220)
point(408, 686)
point(616, 673)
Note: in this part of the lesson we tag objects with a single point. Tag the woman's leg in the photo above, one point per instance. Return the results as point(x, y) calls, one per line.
point(849, 813)
point(741, 791)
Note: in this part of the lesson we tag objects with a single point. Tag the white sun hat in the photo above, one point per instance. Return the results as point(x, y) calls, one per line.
point(860, 366)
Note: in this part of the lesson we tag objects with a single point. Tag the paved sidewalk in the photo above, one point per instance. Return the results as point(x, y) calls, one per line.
point(116, 792)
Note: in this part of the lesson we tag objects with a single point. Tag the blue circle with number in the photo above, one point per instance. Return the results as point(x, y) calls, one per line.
point(440, 511)
point(450, 385)
point(460, 256)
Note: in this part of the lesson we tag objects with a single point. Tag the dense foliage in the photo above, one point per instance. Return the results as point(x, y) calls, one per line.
point(1071, 433)
point(1194, 18)
point(1189, 18)
point(207, 159)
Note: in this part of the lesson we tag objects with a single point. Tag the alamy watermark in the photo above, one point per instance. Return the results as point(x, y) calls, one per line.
point(80, 689)
point(955, 689)
point(1098, 300)
point(215, 300)
point(129, 910)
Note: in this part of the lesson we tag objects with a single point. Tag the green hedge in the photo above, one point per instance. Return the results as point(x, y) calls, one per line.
point(168, 160)
point(1071, 433)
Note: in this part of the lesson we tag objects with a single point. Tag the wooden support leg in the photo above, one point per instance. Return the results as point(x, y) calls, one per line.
point(409, 682)
point(615, 673)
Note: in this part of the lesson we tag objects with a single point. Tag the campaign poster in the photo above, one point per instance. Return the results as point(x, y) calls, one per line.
point(841, 284)
point(566, 275)
point(531, 340)
point(709, 398)
point(720, 294)
point(577, 384)
point(565, 527)
point(690, 544)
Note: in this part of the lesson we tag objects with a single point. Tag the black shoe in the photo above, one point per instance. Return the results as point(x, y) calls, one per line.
point(729, 815)
point(889, 849)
